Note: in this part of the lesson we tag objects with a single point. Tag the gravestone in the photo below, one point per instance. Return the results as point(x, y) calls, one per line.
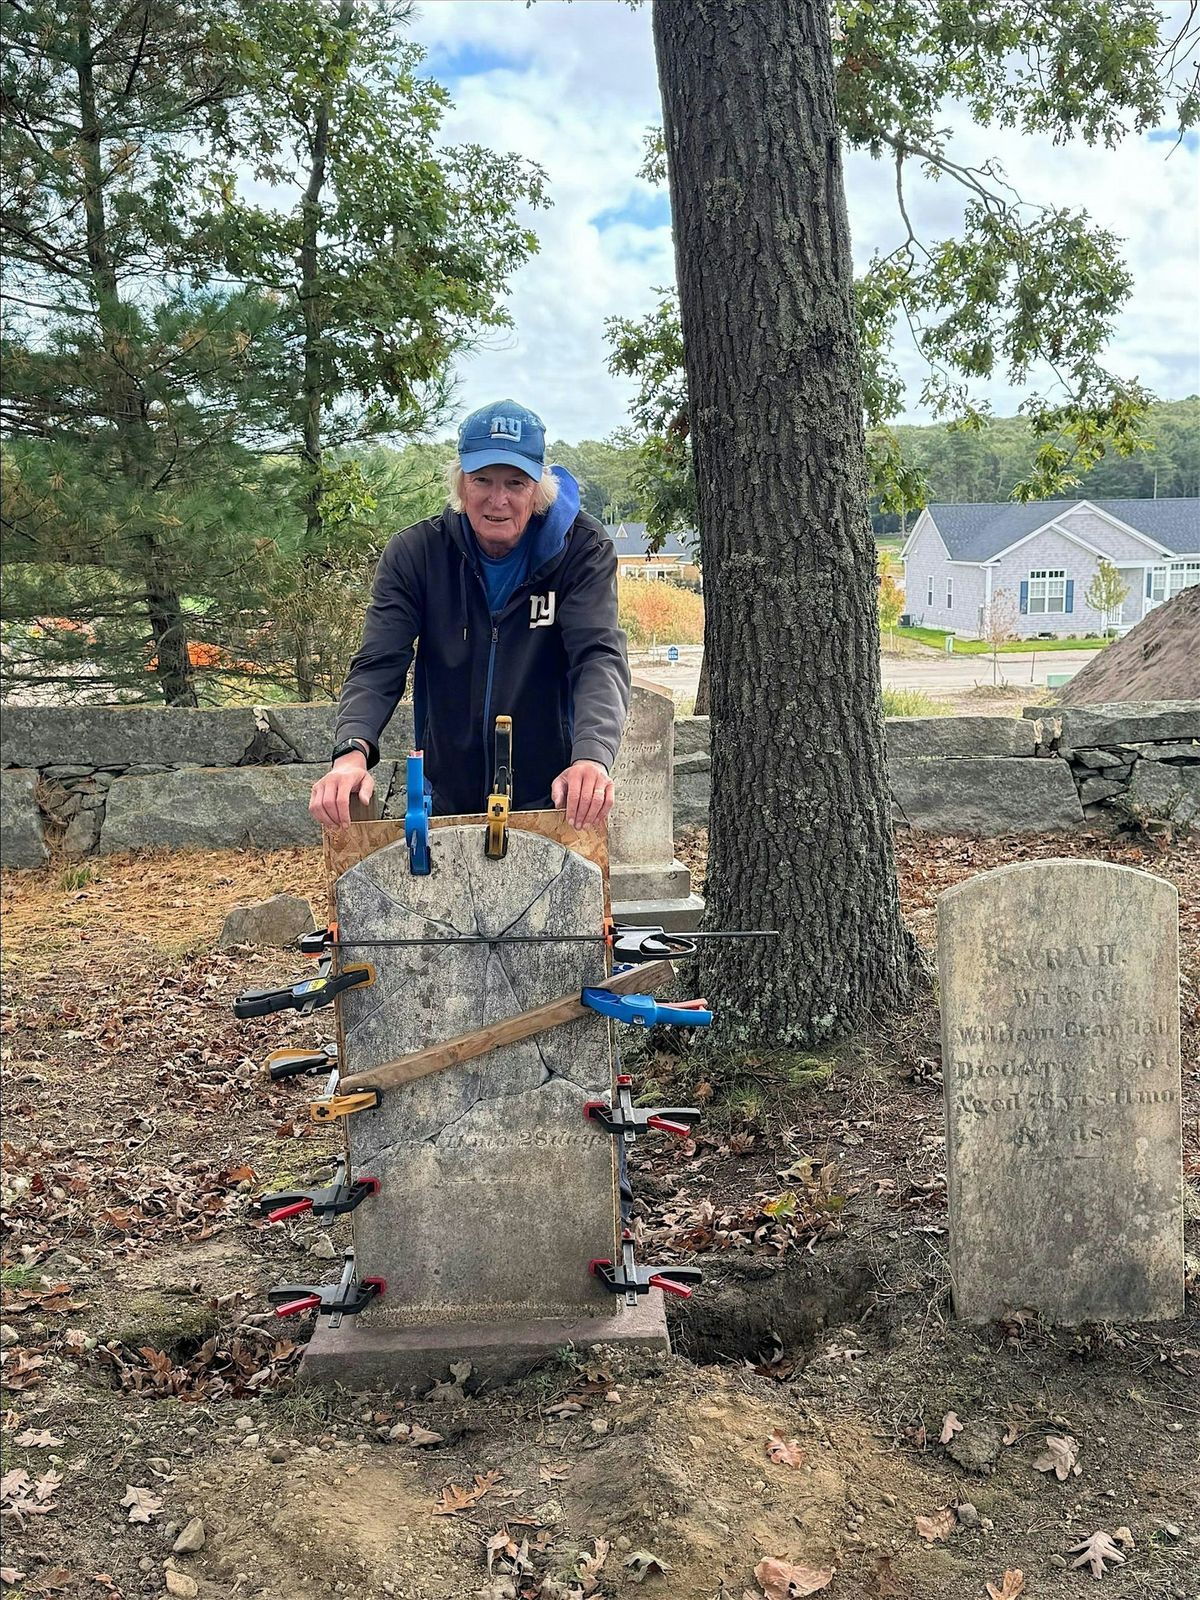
point(649, 886)
point(1060, 1054)
point(495, 1191)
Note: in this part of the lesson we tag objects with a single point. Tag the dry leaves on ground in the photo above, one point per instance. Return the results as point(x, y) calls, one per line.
point(1093, 1552)
point(783, 1580)
point(785, 1452)
point(21, 1497)
point(938, 1524)
point(1011, 1585)
point(141, 1502)
point(37, 1439)
point(644, 1562)
point(1059, 1457)
point(950, 1426)
point(455, 1498)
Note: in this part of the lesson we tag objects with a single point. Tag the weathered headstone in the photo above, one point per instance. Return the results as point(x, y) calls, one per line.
point(495, 1191)
point(1060, 1050)
point(648, 884)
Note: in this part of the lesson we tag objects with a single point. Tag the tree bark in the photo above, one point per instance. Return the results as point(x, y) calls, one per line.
point(703, 689)
point(800, 835)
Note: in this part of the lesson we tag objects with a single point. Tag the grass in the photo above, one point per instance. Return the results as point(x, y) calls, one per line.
point(912, 703)
point(936, 639)
point(20, 1278)
point(77, 877)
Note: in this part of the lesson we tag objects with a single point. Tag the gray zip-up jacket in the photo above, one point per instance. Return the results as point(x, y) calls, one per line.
point(554, 658)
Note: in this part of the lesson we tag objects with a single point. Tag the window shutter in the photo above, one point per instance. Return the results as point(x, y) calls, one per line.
point(1070, 601)
point(1149, 582)
point(1024, 597)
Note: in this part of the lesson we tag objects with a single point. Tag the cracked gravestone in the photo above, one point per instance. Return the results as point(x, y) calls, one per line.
point(1060, 1049)
point(495, 1190)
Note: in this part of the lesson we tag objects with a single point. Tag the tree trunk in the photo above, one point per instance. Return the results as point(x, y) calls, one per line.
point(168, 625)
point(313, 386)
point(800, 837)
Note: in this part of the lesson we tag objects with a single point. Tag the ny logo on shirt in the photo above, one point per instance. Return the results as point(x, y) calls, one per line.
point(541, 610)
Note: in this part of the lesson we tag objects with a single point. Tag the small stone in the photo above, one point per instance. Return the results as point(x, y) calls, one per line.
point(169, 1532)
point(599, 1424)
point(250, 1441)
point(280, 1454)
point(181, 1584)
point(1058, 1561)
point(8, 1335)
point(274, 923)
point(191, 1539)
point(888, 1499)
point(967, 1515)
point(145, 1564)
point(1169, 1530)
point(323, 1248)
point(244, 1424)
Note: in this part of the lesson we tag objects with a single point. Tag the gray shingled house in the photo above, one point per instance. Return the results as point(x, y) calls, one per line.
point(1037, 561)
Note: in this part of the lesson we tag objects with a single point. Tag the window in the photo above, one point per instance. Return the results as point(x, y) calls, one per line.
point(1183, 575)
point(949, 594)
point(1168, 581)
point(1047, 591)
point(929, 592)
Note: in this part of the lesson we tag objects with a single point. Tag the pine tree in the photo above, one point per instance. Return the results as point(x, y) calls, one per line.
point(127, 502)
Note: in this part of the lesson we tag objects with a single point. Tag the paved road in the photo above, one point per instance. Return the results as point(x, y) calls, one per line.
point(934, 674)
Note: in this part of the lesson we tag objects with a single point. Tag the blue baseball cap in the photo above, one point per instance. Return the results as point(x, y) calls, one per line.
point(503, 434)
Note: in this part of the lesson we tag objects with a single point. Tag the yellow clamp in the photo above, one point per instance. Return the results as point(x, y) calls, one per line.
point(343, 1105)
point(495, 846)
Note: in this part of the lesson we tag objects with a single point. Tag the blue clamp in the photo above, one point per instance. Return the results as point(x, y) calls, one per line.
point(644, 1010)
point(416, 816)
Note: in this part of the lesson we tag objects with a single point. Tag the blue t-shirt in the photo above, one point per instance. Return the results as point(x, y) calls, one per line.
point(503, 574)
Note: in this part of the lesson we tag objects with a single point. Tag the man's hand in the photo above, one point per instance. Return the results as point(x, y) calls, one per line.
point(330, 803)
point(585, 791)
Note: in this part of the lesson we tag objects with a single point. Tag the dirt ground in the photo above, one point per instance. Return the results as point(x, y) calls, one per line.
point(815, 1373)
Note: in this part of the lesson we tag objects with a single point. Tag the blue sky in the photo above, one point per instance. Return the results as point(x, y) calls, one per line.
point(573, 87)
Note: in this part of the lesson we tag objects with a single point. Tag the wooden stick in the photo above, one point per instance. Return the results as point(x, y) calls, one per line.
point(468, 1046)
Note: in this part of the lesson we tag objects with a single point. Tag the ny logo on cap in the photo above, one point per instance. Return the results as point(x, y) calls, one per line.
point(506, 428)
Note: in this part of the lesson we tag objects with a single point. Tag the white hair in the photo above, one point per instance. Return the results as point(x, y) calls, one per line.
point(544, 497)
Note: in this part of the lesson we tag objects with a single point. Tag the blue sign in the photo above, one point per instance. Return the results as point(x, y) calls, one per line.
point(672, 652)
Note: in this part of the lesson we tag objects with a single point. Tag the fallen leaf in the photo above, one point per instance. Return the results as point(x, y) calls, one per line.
point(590, 1562)
point(142, 1504)
point(418, 1436)
point(38, 1439)
point(1011, 1585)
point(1059, 1457)
point(1094, 1552)
point(643, 1562)
point(937, 1525)
point(10, 1575)
point(786, 1452)
point(455, 1498)
point(501, 1542)
point(950, 1426)
point(781, 1580)
point(553, 1474)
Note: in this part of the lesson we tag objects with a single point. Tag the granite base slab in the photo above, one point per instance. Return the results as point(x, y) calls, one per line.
point(414, 1358)
point(675, 916)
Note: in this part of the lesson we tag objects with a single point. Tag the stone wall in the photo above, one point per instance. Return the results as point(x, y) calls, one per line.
point(986, 775)
point(142, 776)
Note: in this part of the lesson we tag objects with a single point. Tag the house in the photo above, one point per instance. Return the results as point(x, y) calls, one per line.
point(1033, 564)
point(634, 560)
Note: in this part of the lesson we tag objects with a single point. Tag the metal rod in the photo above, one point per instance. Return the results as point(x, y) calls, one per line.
point(548, 938)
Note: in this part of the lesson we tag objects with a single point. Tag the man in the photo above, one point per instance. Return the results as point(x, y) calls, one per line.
point(510, 597)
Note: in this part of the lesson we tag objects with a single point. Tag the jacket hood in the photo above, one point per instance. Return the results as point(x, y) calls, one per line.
point(547, 533)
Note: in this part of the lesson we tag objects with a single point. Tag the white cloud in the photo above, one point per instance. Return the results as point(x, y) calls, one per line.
point(573, 87)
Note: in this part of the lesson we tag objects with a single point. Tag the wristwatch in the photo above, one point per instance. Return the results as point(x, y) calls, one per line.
point(345, 746)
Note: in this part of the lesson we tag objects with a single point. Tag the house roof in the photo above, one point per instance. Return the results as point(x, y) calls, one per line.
point(630, 540)
point(978, 532)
